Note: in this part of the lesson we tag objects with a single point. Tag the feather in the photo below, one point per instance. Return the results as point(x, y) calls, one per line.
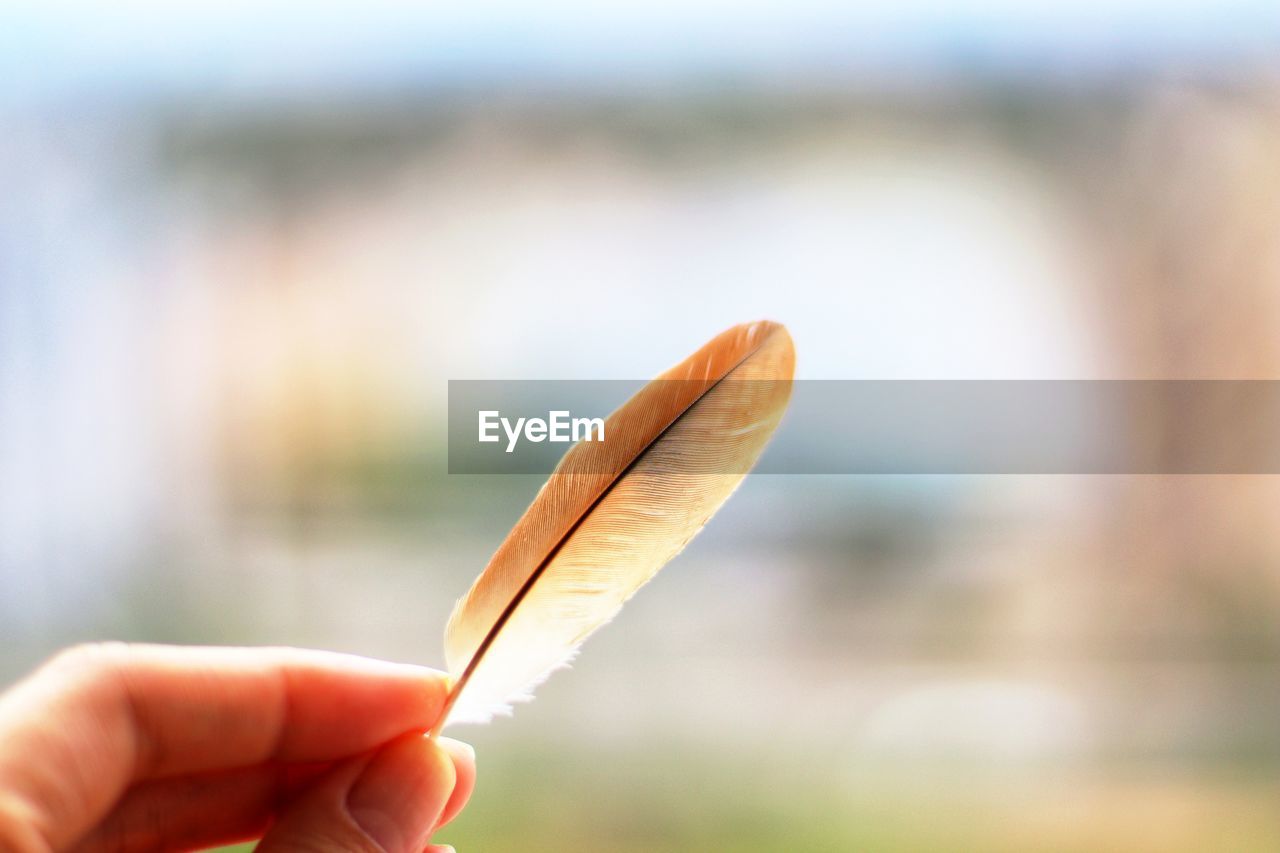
point(612, 514)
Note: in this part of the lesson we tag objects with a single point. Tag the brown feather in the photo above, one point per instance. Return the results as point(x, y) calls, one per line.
point(613, 513)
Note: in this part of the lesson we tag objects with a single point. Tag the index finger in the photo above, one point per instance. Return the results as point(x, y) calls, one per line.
point(94, 720)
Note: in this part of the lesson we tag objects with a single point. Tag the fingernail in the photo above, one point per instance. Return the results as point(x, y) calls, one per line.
point(460, 750)
point(401, 793)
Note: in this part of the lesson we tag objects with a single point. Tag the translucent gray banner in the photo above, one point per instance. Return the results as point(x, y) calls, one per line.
point(914, 427)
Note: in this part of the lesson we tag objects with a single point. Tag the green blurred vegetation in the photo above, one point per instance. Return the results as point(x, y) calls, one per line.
point(677, 797)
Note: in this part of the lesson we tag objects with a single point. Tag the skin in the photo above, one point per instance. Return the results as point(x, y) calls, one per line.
point(125, 747)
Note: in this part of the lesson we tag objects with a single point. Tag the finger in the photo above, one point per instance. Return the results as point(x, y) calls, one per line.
point(464, 768)
point(94, 720)
point(195, 812)
point(194, 709)
point(389, 803)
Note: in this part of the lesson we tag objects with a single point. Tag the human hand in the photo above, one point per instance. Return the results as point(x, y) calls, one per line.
point(126, 748)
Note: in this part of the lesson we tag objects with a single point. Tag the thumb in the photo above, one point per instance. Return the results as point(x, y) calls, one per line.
point(385, 804)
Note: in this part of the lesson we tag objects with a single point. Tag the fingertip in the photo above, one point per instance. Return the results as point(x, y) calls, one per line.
point(389, 801)
point(401, 795)
point(352, 706)
point(459, 751)
point(463, 757)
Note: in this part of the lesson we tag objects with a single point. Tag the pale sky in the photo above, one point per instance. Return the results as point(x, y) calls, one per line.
point(69, 48)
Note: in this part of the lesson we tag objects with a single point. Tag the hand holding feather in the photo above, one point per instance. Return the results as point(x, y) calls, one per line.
point(612, 514)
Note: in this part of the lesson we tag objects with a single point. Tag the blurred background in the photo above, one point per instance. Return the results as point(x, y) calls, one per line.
point(244, 245)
